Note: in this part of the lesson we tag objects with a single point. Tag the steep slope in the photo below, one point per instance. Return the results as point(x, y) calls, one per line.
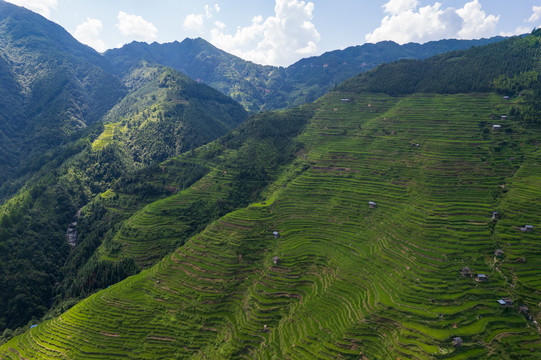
point(11, 117)
point(54, 86)
point(343, 279)
point(167, 114)
point(259, 87)
point(350, 281)
point(231, 173)
point(163, 116)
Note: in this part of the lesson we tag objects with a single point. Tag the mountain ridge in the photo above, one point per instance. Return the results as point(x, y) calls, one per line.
point(264, 87)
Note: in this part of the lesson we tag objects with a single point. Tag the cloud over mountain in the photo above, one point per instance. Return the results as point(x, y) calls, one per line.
point(89, 33)
point(406, 22)
point(42, 7)
point(275, 40)
point(136, 26)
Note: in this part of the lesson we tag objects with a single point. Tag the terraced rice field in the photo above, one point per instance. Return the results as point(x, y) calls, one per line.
point(351, 282)
point(160, 227)
point(107, 136)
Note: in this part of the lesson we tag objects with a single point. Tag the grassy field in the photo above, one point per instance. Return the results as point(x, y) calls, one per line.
point(351, 281)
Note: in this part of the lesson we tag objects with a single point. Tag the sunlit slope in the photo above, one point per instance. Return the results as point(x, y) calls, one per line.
point(231, 172)
point(351, 282)
point(160, 227)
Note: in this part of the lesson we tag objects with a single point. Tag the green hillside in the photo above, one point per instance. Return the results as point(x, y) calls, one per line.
point(350, 281)
point(164, 115)
point(124, 229)
point(52, 86)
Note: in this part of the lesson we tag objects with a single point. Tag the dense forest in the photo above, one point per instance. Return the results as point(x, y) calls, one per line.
point(52, 87)
point(163, 117)
point(510, 67)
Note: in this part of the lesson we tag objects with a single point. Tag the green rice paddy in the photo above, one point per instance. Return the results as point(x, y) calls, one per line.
point(351, 282)
point(108, 135)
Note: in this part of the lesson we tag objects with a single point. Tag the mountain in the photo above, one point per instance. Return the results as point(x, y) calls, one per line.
point(166, 114)
point(52, 86)
point(240, 79)
point(69, 128)
point(375, 216)
point(259, 87)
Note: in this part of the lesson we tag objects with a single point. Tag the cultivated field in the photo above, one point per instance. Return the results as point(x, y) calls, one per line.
point(350, 282)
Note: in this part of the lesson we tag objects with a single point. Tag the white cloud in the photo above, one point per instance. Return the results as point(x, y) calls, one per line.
point(136, 26)
point(194, 22)
point(395, 7)
point(536, 14)
point(210, 9)
point(277, 40)
point(220, 25)
point(518, 31)
point(476, 23)
point(42, 7)
point(406, 22)
point(89, 33)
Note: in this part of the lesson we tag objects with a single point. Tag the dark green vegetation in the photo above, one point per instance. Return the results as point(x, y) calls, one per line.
point(51, 86)
point(259, 87)
point(342, 280)
point(509, 67)
point(178, 115)
point(57, 157)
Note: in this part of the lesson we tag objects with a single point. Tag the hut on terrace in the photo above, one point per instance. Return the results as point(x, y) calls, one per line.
point(481, 278)
point(276, 260)
point(506, 302)
point(466, 271)
point(457, 341)
point(372, 205)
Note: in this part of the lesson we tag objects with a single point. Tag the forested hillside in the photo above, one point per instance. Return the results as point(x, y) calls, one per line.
point(510, 67)
point(52, 85)
point(166, 114)
point(259, 87)
point(382, 221)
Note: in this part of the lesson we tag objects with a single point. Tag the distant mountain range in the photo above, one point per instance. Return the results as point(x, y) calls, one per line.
point(259, 87)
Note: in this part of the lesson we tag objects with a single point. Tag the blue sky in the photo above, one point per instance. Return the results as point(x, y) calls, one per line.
point(280, 32)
